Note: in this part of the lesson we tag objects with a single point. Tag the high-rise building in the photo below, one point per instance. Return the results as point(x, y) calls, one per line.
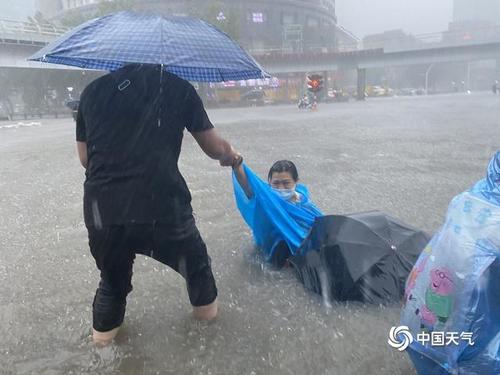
point(259, 25)
point(480, 11)
point(474, 21)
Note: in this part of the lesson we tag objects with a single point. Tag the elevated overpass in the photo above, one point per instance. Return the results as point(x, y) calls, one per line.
point(376, 58)
point(19, 40)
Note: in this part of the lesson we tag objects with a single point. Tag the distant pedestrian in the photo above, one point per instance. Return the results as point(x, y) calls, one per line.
point(454, 86)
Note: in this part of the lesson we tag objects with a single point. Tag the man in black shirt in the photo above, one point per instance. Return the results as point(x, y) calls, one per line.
point(129, 132)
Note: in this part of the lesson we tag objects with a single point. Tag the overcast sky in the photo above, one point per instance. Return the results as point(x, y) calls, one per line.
point(364, 17)
point(16, 9)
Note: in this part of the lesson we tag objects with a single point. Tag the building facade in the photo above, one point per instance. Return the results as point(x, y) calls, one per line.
point(259, 25)
point(52, 8)
point(391, 40)
point(474, 21)
point(481, 11)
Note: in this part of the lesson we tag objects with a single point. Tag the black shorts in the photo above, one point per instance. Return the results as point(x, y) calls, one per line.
point(114, 249)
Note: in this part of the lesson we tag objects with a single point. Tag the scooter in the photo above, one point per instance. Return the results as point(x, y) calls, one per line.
point(305, 104)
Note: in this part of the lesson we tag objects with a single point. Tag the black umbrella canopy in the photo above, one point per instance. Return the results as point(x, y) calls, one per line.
point(364, 256)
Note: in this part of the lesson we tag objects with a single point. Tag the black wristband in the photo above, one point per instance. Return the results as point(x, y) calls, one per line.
point(239, 161)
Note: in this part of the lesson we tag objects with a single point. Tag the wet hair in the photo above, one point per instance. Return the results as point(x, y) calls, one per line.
point(284, 166)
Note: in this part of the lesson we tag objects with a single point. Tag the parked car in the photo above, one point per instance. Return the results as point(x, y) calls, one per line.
point(254, 97)
point(377, 91)
point(334, 95)
point(409, 91)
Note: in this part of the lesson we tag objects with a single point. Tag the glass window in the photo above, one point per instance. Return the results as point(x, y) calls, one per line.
point(258, 17)
point(287, 18)
point(312, 21)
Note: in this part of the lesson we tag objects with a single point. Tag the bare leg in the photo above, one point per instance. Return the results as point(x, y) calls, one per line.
point(104, 338)
point(207, 312)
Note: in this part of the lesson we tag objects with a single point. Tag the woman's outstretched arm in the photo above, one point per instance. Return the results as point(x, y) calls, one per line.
point(241, 176)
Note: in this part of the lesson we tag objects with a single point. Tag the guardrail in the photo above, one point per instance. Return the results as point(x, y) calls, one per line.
point(453, 38)
point(32, 32)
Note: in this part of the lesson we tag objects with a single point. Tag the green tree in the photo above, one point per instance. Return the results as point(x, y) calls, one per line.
point(106, 7)
point(230, 24)
point(103, 8)
point(208, 12)
point(73, 19)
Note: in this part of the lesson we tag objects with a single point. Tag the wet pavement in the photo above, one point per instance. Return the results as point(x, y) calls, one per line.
point(406, 156)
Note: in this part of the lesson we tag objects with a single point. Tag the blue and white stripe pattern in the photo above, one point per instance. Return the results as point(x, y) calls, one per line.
point(188, 47)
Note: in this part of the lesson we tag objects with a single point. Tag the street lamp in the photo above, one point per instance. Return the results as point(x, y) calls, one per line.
point(428, 71)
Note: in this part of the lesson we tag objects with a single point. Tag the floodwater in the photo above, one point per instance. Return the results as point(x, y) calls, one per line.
point(406, 156)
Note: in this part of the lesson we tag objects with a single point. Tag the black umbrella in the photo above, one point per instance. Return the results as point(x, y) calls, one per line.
point(365, 256)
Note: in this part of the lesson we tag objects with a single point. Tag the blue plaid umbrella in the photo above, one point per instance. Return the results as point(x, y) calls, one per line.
point(188, 47)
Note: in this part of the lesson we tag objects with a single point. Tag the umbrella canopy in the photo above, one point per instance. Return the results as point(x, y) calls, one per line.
point(365, 256)
point(188, 47)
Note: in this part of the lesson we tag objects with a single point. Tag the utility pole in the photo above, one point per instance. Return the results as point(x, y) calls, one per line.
point(468, 76)
point(361, 83)
point(427, 78)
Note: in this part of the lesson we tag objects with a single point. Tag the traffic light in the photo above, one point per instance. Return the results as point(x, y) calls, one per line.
point(315, 82)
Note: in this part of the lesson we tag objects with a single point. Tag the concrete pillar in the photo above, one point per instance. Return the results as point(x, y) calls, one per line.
point(361, 84)
point(326, 74)
point(287, 88)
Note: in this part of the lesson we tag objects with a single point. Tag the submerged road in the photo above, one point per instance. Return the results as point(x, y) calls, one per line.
point(406, 156)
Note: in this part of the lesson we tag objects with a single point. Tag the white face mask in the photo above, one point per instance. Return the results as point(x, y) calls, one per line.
point(286, 194)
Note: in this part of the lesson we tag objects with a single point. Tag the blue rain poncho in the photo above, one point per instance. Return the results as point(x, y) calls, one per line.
point(455, 287)
point(273, 219)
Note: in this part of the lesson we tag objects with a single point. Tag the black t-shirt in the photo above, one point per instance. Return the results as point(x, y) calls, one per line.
point(133, 126)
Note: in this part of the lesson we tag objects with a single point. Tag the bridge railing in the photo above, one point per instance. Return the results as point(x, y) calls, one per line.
point(453, 38)
point(33, 32)
point(28, 32)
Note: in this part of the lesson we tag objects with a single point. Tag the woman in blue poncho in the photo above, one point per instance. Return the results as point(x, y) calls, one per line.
point(279, 211)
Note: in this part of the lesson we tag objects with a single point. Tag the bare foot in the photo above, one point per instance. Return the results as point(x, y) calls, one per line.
point(104, 338)
point(207, 312)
